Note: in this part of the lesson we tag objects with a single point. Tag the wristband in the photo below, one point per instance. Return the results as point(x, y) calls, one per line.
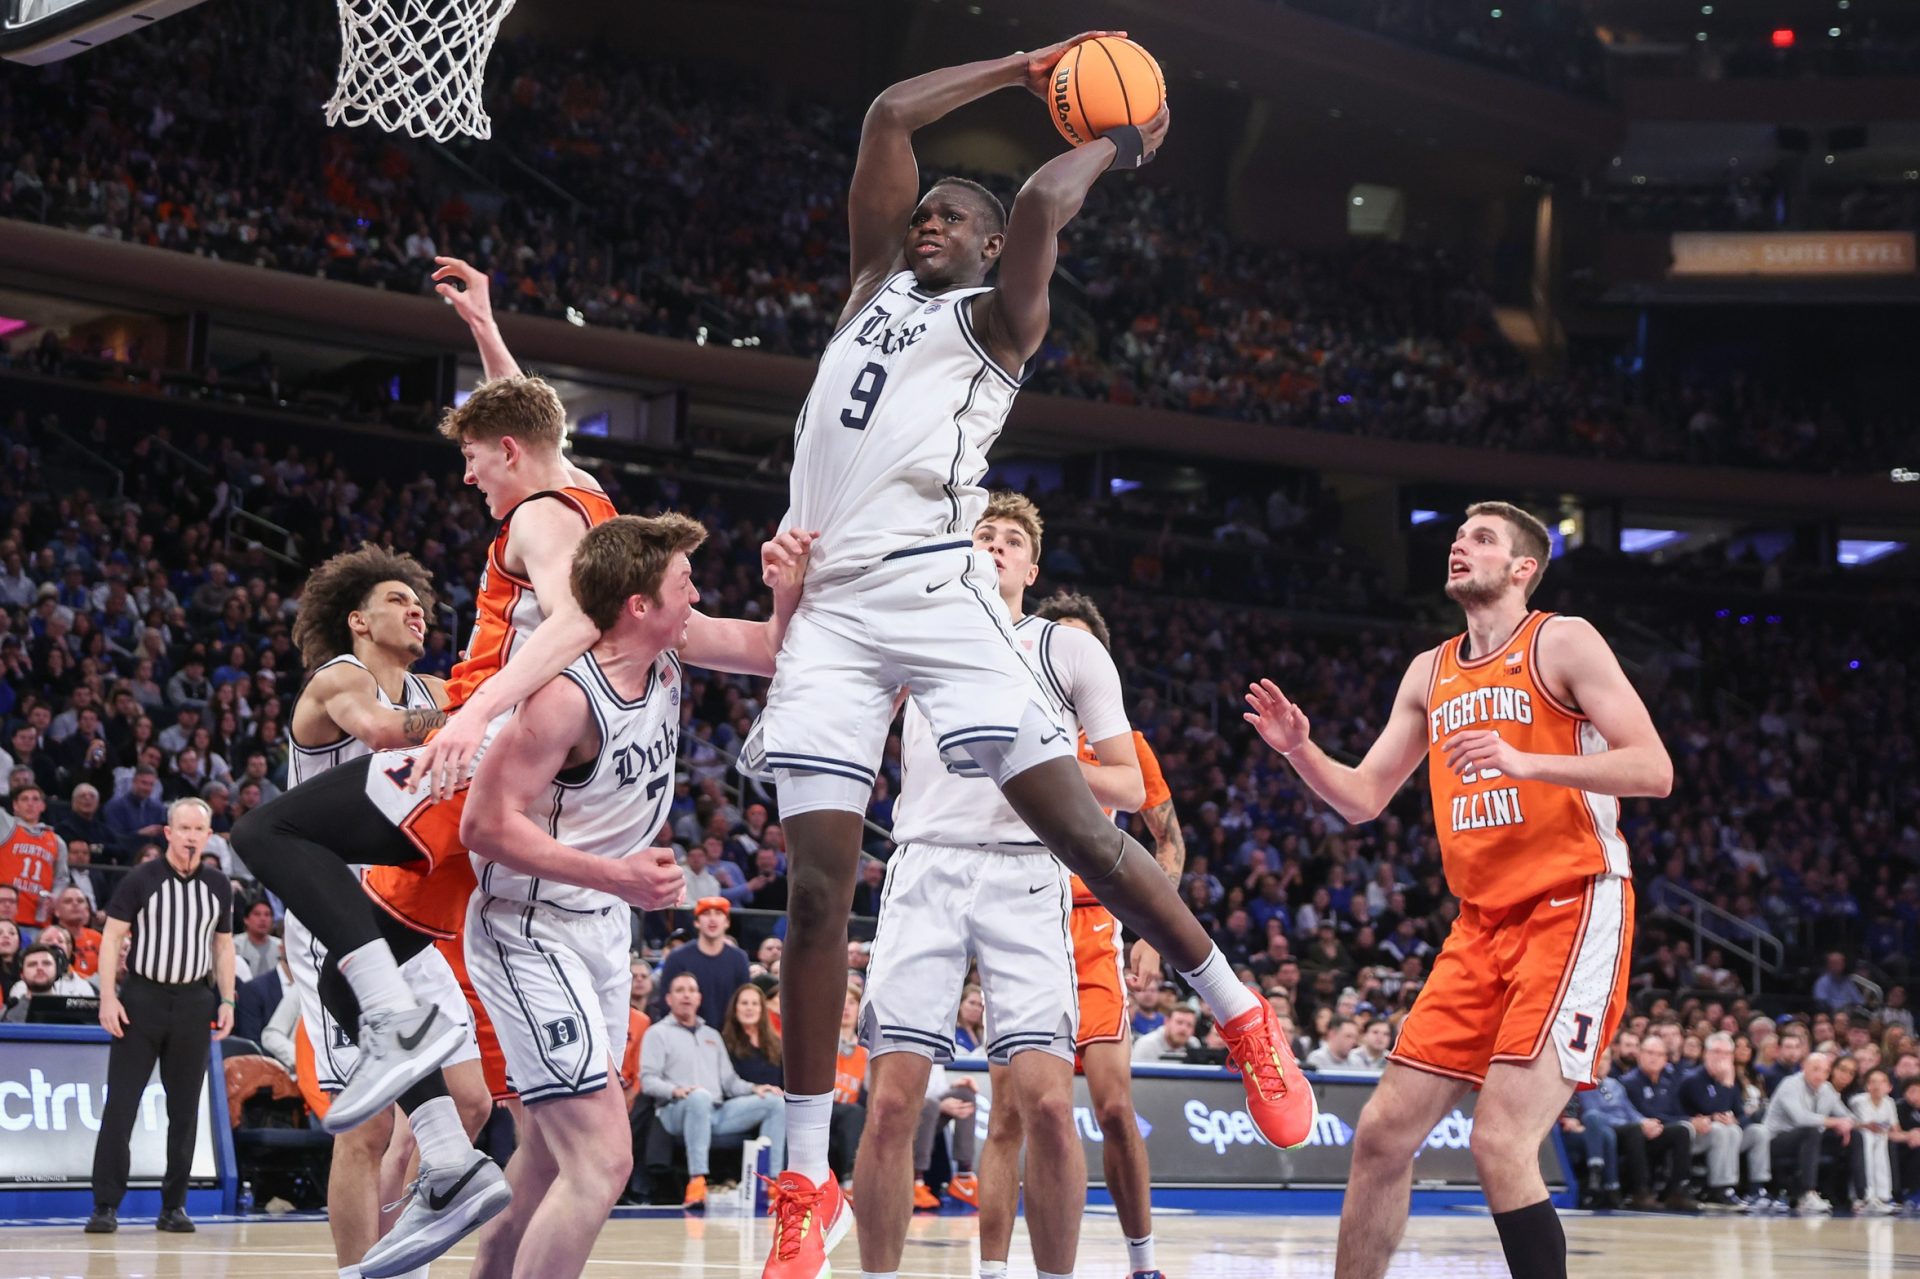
point(229, 1003)
point(1128, 147)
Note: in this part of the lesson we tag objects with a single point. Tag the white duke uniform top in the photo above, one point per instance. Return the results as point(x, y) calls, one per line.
point(891, 445)
point(304, 763)
point(939, 807)
point(613, 804)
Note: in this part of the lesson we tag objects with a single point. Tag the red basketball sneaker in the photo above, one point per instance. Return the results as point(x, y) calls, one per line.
point(808, 1221)
point(1279, 1098)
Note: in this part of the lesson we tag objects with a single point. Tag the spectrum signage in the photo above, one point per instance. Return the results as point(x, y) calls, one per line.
point(51, 1097)
point(1198, 1133)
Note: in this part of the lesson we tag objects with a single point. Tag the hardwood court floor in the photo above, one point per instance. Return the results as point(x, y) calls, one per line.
point(1444, 1246)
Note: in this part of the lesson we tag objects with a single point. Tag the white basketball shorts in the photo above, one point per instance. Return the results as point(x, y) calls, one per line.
point(555, 983)
point(1009, 911)
point(928, 619)
point(428, 974)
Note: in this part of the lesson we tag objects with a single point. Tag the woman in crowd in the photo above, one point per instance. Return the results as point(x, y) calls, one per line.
point(750, 1038)
point(9, 954)
point(969, 1028)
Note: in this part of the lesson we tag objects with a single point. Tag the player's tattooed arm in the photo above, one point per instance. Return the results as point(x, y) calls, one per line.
point(348, 697)
point(418, 721)
point(1169, 841)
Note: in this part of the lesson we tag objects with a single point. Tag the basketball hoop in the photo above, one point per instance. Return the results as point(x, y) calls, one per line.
point(416, 66)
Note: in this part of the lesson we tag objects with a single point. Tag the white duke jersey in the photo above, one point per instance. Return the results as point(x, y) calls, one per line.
point(892, 442)
point(307, 762)
point(940, 807)
point(616, 802)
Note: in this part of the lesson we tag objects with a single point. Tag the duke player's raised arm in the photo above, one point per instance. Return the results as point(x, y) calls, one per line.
point(529, 751)
point(1013, 318)
point(749, 648)
point(1358, 794)
point(886, 176)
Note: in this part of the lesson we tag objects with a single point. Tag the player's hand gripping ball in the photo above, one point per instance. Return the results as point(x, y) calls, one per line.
point(1101, 84)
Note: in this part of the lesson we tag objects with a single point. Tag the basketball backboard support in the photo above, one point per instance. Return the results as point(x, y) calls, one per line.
point(40, 31)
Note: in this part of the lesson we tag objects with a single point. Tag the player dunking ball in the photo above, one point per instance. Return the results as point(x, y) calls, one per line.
point(1532, 735)
point(970, 879)
point(888, 455)
point(362, 624)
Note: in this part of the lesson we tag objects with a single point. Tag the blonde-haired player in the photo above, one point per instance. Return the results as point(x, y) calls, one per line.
point(1532, 735)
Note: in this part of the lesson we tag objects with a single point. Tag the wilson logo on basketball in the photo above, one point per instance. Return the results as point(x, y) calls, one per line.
point(1063, 106)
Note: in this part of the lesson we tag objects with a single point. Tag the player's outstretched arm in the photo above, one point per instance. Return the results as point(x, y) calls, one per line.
point(1575, 657)
point(1359, 793)
point(546, 534)
point(1013, 318)
point(886, 176)
point(474, 304)
point(749, 648)
point(347, 694)
point(531, 749)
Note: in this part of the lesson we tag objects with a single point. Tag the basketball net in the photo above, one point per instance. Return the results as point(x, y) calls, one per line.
point(416, 66)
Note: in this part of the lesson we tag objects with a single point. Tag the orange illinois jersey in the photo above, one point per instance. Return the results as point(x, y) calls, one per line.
point(1157, 794)
point(1503, 840)
point(506, 610)
point(29, 859)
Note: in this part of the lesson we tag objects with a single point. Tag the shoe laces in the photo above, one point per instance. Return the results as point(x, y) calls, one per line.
point(793, 1212)
point(1259, 1060)
point(412, 1192)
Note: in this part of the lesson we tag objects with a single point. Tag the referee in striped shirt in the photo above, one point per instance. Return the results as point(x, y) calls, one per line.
point(179, 915)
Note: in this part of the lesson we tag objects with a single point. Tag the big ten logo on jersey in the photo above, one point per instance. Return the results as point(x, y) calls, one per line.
point(879, 331)
point(635, 761)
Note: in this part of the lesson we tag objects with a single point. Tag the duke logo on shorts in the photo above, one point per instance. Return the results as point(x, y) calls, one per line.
point(548, 959)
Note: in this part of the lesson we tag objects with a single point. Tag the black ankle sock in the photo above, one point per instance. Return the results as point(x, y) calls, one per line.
point(1535, 1245)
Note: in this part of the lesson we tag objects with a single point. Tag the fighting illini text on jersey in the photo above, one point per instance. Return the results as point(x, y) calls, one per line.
point(892, 442)
point(505, 609)
point(1503, 840)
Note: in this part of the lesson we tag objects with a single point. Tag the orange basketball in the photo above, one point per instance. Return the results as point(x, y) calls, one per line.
point(1101, 85)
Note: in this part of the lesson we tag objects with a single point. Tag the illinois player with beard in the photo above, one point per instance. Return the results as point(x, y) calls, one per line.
point(1532, 735)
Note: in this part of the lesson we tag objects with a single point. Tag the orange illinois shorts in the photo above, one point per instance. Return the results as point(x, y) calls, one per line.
point(1552, 969)
point(429, 896)
point(1099, 962)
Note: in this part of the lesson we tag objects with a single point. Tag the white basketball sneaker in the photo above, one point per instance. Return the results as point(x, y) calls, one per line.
point(444, 1206)
point(397, 1051)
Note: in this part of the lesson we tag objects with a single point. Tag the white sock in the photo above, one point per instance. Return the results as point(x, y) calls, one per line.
point(443, 1141)
point(1047, 1274)
point(808, 1118)
point(350, 1272)
point(993, 1269)
point(879, 1274)
point(1226, 995)
point(376, 979)
point(1140, 1255)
